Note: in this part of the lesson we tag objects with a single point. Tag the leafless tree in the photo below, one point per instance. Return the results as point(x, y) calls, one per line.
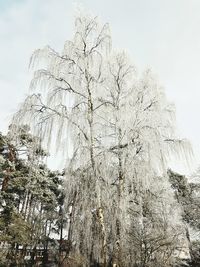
point(120, 128)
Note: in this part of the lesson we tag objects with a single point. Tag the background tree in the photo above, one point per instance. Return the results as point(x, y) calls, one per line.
point(187, 194)
point(29, 198)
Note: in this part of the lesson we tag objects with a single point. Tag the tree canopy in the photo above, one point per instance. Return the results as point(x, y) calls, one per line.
point(118, 131)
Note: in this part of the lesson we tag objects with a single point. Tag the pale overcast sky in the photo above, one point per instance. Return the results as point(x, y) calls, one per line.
point(161, 34)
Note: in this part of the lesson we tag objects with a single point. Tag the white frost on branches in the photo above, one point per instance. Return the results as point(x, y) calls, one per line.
point(122, 134)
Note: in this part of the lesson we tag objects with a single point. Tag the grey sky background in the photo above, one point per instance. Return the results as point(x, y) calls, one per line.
point(161, 34)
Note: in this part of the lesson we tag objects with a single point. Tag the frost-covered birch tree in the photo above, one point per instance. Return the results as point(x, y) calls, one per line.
point(118, 131)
